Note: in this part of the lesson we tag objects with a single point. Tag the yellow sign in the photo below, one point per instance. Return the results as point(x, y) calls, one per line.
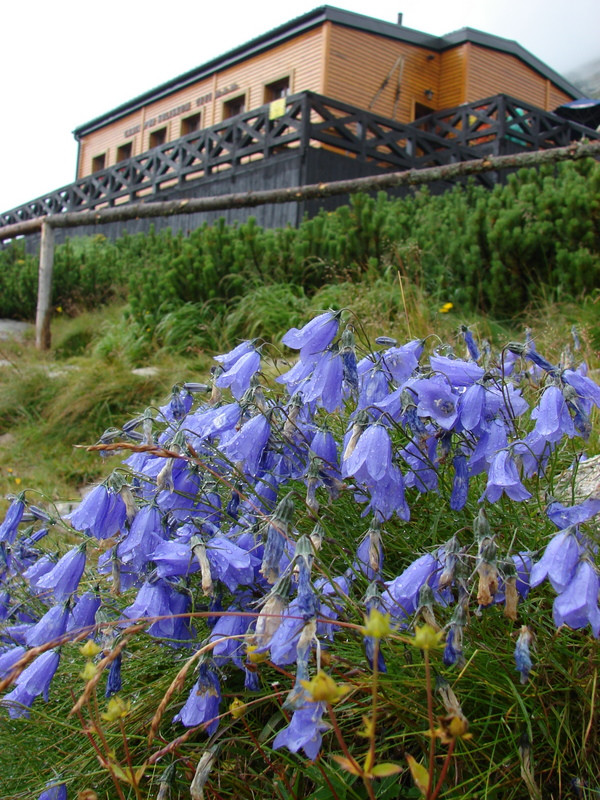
point(277, 108)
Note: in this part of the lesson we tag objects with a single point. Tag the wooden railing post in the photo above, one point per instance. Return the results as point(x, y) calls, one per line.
point(44, 299)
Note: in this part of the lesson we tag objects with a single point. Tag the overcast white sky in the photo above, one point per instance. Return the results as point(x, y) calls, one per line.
point(65, 62)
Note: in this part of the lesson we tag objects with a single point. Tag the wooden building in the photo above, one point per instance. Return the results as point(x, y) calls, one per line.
point(385, 68)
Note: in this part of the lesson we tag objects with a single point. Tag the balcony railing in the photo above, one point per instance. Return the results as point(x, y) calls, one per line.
point(310, 120)
point(501, 122)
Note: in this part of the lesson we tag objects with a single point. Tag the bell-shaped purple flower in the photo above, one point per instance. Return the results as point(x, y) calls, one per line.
point(159, 598)
point(238, 377)
point(56, 791)
point(460, 483)
point(10, 525)
point(51, 626)
point(552, 415)
point(36, 571)
point(248, 443)
point(173, 559)
point(578, 603)
point(314, 337)
point(587, 390)
point(436, 400)
point(402, 594)
point(202, 705)
point(9, 658)
point(472, 408)
point(305, 730)
point(145, 535)
point(113, 682)
point(458, 372)
point(284, 642)
point(63, 579)
point(490, 441)
point(374, 387)
point(228, 360)
point(325, 385)
point(101, 513)
point(33, 681)
point(83, 615)
point(559, 561)
point(564, 516)
point(503, 477)
point(323, 446)
point(371, 459)
point(401, 362)
point(230, 629)
point(230, 563)
point(386, 497)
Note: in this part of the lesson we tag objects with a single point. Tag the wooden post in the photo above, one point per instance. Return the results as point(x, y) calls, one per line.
point(44, 300)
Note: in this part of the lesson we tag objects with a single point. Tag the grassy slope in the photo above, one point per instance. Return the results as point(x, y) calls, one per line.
point(46, 416)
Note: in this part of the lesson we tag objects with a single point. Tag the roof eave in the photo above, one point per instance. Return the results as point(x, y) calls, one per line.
point(510, 47)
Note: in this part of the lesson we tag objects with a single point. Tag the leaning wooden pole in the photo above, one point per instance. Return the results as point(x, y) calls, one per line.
point(369, 183)
point(44, 300)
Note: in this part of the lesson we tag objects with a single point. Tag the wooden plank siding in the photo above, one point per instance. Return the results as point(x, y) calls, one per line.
point(453, 77)
point(359, 62)
point(491, 72)
point(343, 56)
point(300, 58)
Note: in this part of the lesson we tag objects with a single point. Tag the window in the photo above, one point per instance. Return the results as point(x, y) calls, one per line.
point(157, 138)
point(190, 124)
point(277, 89)
point(98, 162)
point(124, 152)
point(237, 105)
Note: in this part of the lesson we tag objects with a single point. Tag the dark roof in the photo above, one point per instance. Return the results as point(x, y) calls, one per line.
point(311, 20)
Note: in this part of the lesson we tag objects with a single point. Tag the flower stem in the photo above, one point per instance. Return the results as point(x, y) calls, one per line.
point(429, 795)
point(444, 771)
point(346, 752)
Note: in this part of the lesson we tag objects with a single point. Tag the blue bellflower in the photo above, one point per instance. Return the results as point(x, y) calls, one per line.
point(9, 658)
point(247, 445)
point(202, 705)
point(55, 791)
point(371, 459)
point(503, 477)
point(33, 681)
point(305, 730)
point(522, 654)
point(113, 682)
point(314, 337)
point(101, 513)
point(238, 377)
point(10, 525)
point(552, 415)
point(63, 579)
point(51, 626)
point(559, 561)
point(228, 360)
point(577, 605)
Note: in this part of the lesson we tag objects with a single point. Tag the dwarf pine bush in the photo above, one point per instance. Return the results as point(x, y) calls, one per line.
point(339, 569)
point(487, 251)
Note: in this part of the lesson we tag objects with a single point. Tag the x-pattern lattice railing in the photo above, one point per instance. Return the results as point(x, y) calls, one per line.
point(503, 118)
point(310, 120)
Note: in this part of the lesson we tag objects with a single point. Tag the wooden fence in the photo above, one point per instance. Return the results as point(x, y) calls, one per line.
point(311, 120)
point(47, 224)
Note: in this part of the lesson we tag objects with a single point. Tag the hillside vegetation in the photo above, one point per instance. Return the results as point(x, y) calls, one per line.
point(356, 547)
point(490, 252)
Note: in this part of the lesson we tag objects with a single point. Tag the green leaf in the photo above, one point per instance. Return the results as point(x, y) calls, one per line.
point(385, 770)
point(420, 775)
